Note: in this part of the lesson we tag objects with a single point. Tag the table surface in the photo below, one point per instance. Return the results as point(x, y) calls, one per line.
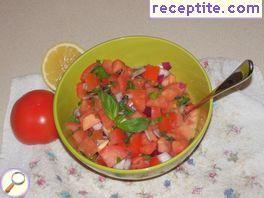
point(29, 28)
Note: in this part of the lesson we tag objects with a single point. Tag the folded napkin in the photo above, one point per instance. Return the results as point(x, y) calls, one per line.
point(228, 163)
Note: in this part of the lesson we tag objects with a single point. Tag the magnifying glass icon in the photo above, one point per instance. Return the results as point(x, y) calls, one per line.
point(17, 178)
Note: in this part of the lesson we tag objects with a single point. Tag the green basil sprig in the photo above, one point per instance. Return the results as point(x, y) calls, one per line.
point(110, 105)
point(133, 125)
point(112, 109)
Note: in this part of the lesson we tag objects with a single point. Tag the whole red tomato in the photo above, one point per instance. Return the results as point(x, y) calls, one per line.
point(32, 118)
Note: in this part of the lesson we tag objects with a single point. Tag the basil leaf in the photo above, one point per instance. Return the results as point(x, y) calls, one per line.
point(153, 95)
point(182, 100)
point(146, 157)
point(110, 105)
point(100, 72)
point(133, 125)
point(168, 138)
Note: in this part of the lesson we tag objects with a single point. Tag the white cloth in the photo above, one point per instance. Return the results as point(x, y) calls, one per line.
point(228, 163)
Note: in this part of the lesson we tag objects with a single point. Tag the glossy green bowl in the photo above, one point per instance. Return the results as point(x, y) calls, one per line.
point(134, 51)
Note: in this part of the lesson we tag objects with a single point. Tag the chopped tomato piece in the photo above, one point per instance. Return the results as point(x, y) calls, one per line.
point(151, 73)
point(79, 136)
point(139, 99)
point(99, 160)
point(97, 135)
point(160, 102)
point(139, 162)
point(108, 123)
point(107, 65)
point(112, 153)
point(168, 80)
point(86, 107)
point(154, 161)
point(88, 147)
point(134, 144)
point(117, 136)
point(88, 121)
point(178, 146)
point(72, 126)
point(186, 131)
point(97, 104)
point(139, 83)
point(148, 148)
point(169, 121)
point(122, 81)
point(164, 145)
point(155, 112)
point(87, 71)
point(118, 66)
point(92, 81)
point(80, 91)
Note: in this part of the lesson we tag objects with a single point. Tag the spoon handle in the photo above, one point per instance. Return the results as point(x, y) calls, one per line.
point(9, 188)
point(240, 75)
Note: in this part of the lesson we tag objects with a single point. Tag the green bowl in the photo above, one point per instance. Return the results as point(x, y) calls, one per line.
point(135, 51)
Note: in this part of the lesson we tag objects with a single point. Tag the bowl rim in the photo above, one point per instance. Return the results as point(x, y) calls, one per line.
point(96, 166)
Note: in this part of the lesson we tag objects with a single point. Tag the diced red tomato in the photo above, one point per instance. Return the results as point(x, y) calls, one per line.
point(97, 135)
point(139, 162)
point(148, 148)
point(99, 160)
point(118, 65)
point(72, 126)
point(155, 112)
point(122, 81)
point(79, 90)
point(151, 73)
point(87, 121)
point(168, 80)
point(79, 136)
point(169, 121)
point(139, 99)
point(160, 102)
point(152, 137)
point(139, 83)
point(112, 153)
point(117, 136)
point(87, 71)
point(108, 123)
point(186, 131)
point(164, 145)
point(86, 107)
point(107, 65)
point(97, 104)
point(134, 144)
point(154, 161)
point(92, 81)
point(88, 147)
point(178, 146)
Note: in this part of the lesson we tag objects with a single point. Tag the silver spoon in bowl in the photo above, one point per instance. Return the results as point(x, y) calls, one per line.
point(240, 75)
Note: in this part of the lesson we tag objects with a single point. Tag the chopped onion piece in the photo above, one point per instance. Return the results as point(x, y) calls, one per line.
point(101, 144)
point(85, 86)
point(147, 135)
point(163, 157)
point(97, 126)
point(127, 164)
point(156, 132)
point(77, 112)
point(166, 65)
point(106, 131)
point(123, 164)
point(118, 96)
point(164, 72)
point(160, 78)
point(147, 111)
point(138, 72)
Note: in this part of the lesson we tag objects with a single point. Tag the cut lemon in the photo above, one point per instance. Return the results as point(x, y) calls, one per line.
point(57, 60)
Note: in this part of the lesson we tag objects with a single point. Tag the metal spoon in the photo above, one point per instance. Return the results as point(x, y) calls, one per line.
point(240, 75)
